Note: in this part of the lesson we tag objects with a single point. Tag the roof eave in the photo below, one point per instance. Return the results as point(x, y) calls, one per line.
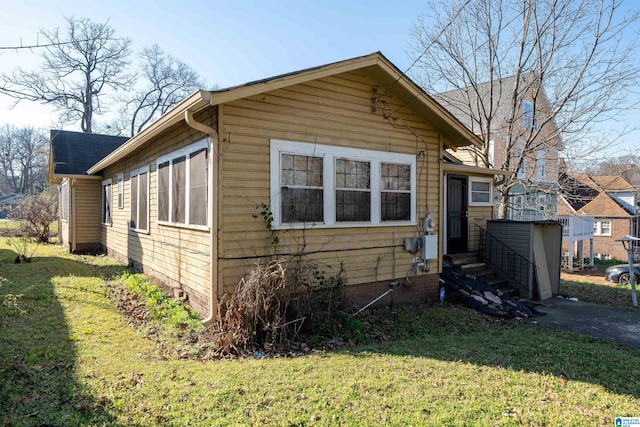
point(449, 167)
point(250, 89)
point(194, 102)
point(391, 76)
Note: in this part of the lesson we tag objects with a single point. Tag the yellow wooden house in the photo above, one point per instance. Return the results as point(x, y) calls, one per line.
point(344, 163)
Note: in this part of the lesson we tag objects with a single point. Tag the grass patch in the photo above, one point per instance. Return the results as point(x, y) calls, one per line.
point(613, 295)
point(72, 359)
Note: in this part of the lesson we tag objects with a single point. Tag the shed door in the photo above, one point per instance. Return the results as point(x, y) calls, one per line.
point(457, 221)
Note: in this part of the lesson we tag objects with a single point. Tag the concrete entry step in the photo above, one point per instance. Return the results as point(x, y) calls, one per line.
point(457, 260)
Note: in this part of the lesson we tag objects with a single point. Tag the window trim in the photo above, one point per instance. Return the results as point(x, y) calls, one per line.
point(186, 151)
point(598, 228)
point(330, 154)
point(105, 183)
point(132, 174)
point(473, 179)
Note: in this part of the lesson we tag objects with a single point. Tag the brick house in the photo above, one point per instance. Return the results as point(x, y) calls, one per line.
point(611, 200)
point(535, 193)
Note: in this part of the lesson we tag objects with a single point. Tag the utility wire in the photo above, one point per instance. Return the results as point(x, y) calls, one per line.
point(445, 28)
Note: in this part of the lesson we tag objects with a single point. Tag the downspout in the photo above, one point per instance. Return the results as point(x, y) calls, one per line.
point(213, 212)
point(72, 189)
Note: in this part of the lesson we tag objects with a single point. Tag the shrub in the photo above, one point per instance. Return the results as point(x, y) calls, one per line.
point(274, 305)
point(36, 213)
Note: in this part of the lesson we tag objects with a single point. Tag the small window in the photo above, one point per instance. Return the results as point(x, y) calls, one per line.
point(481, 192)
point(183, 186)
point(602, 228)
point(64, 200)
point(120, 191)
point(107, 195)
point(139, 188)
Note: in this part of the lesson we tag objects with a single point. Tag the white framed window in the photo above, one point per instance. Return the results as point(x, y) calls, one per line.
point(183, 187)
point(120, 178)
point(139, 189)
point(480, 191)
point(602, 228)
point(107, 196)
point(540, 164)
point(64, 200)
point(316, 185)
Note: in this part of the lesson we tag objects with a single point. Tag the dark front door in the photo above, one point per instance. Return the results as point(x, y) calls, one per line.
point(457, 221)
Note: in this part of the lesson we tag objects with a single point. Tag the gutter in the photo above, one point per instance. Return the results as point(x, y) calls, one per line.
point(213, 212)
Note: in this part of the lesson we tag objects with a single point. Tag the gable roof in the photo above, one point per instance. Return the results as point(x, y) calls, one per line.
point(585, 195)
point(375, 64)
point(73, 153)
point(497, 94)
point(603, 205)
point(613, 183)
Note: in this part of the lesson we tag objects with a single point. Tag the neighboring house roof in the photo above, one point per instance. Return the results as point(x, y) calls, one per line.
point(11, 199)
point(72, 153)
point(586, 196)
point(613, 183)
point(375, 64)
point(603, 205)
point(498, 94)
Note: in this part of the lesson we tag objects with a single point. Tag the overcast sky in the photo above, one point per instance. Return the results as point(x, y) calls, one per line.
point(226, 42)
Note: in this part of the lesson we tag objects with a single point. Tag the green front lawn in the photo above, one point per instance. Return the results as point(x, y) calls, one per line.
point(68, 357)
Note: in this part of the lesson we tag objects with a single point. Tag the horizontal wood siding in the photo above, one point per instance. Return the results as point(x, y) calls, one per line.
point(88, 210)
point(180, 256)
point(335, 111)
point(479, 215)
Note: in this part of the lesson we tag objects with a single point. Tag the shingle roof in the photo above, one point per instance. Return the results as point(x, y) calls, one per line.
point(498, 92)
point(603, 205)
point(613, 183)
point(376, 65)
point(75, 152)
point(587, 195)
point(578, 190)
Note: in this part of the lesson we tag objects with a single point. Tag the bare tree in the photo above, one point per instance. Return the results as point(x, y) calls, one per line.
point(23, 159)
point(628, 167)
point(78, 67)
point(164, 82)
point(167, 82)
point(573, 61)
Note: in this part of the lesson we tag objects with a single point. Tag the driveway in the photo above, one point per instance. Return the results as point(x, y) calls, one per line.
point(621, 325)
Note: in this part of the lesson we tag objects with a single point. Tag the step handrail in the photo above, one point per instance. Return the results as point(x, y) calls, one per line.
point(514, 266)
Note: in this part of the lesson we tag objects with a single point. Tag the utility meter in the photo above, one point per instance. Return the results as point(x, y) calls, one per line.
point(428, 224)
